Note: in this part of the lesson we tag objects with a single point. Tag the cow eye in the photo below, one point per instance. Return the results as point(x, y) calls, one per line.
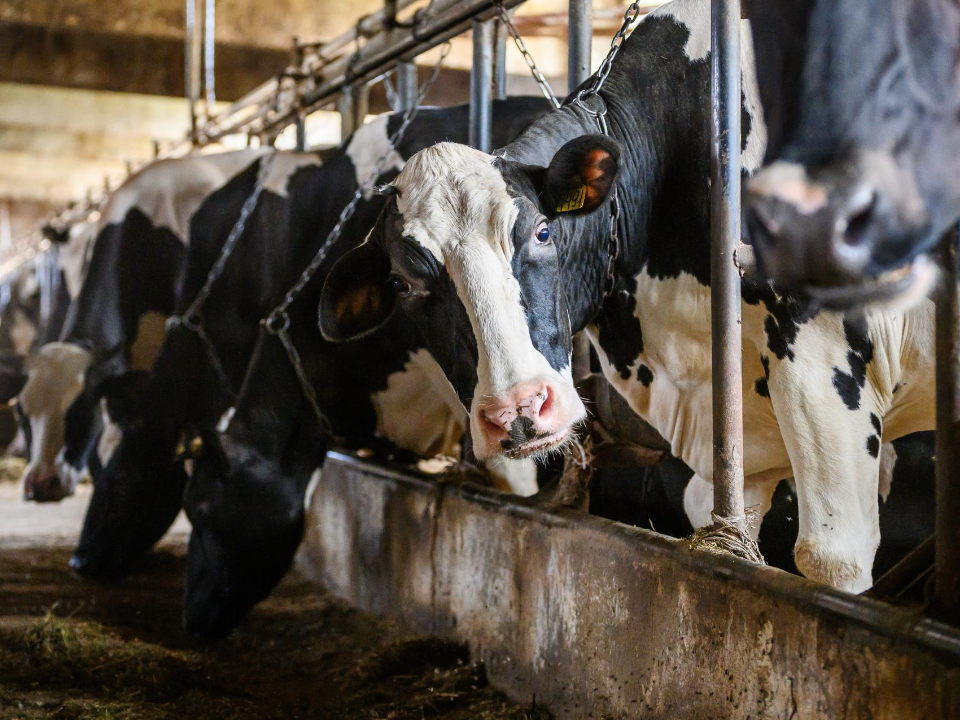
point(400, 286)
point(542, 235)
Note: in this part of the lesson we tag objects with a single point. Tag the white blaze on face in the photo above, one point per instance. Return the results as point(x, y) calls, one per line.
point(55, 376)
point(455, 203)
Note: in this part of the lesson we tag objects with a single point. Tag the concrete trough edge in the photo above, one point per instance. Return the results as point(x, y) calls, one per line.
point(597, 619)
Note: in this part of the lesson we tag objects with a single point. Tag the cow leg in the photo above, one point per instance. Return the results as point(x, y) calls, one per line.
point(698, 502)
point(834, 454)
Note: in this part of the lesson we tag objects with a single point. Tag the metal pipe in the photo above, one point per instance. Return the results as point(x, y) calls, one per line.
point(499, 60)
point(301, 133)
point(481, 85)
point(191, 63)
point(447, 19)
point(947, 578)
point(579, 41)
point(724, 277)
point(209, 43)
point(354, 107)
point(406, 85)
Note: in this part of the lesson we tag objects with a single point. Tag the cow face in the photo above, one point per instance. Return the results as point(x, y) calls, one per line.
point(862, 109)
point(247, 518)
point(55, 375)
point(137, 486)
point(467, 250)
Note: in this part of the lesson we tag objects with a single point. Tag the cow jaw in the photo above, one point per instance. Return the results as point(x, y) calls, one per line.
point(455, 203)
point(899, 289)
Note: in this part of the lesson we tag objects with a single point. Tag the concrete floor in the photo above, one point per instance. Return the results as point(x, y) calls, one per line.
point(27, 524)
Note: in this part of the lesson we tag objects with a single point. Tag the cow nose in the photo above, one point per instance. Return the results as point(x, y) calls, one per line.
point(804, 234)
point(43, 488)
point(518, 411)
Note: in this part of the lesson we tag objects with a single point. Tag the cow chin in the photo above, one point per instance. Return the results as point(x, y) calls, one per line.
point(898, 289)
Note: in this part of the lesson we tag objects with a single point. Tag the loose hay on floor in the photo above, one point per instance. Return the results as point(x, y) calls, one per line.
point(73, 650)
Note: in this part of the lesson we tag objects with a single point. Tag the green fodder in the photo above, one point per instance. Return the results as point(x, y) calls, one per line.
point(64, 652)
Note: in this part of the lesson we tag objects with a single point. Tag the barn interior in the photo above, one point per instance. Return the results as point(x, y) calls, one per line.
point(423, 587)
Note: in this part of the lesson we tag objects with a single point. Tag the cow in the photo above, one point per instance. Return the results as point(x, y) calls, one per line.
point(138, 492)
point(499, 258)
point(130, 280)
point(862, 107)
point(36, 312)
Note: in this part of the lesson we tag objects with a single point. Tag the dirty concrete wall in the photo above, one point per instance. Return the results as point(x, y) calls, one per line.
point(600, 620)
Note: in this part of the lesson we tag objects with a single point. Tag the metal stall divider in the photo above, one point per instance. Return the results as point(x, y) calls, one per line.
point(730, 529)
point(481, 86)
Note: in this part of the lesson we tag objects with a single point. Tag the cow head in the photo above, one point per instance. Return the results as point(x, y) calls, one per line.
point(55, 375)
point(466, 249)
point(137, 485)
point(247, 516)
point(862, 106)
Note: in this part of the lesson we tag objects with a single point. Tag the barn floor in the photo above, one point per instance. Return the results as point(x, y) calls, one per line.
point(71, 649)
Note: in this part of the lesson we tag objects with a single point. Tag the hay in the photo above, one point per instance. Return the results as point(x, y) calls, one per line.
point(11, 469)
point(725, 537)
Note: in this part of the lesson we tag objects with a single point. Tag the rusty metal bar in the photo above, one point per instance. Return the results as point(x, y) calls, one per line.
point(579, 40)
point(947, 577)
point(724, 277)
point(481, 85)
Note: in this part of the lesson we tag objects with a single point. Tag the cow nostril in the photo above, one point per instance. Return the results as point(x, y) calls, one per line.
point(546, 406)
point(854, 227)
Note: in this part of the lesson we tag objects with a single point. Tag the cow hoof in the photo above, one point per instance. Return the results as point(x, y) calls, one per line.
point(841, 570)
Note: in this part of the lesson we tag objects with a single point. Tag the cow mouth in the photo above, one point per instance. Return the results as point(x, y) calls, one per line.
point(538, 446)
point(903, 287)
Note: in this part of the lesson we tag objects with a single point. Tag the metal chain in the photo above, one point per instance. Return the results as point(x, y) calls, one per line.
point(600, 115)
point(527, 57)
point(192, 319)
point(278, 321)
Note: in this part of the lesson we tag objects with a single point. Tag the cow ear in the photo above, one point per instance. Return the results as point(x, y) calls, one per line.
point(356, 298)
point(581, 175)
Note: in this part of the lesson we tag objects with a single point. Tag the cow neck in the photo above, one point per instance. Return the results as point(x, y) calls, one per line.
point(652, 112)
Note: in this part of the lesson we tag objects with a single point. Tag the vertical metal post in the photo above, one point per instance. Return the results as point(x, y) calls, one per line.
point(191, 62)
point(209, 42)
point(301, 126)
point(406, 85)
point(481, 81)
point(724, 277)
point(354, 107)
point(499, 60)
point(579, 40)
point(947, 579)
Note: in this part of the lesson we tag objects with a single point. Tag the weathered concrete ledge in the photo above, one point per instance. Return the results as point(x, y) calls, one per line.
point(600, 620)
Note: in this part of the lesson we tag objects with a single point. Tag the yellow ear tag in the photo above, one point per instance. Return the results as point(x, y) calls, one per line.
point(574, 201)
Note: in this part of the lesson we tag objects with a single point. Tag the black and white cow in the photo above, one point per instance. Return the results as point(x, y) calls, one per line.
point(499, 258)
point(138, 493)
point(130, 281)
point(863, 108)
point(37, 315)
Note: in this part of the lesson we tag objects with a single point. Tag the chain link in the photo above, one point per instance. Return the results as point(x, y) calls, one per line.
point(527, 57)
point(278, 321)
point(600, 115)
point(192, 319)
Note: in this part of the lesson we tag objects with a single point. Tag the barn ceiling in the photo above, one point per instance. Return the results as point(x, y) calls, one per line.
point(86, 86)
